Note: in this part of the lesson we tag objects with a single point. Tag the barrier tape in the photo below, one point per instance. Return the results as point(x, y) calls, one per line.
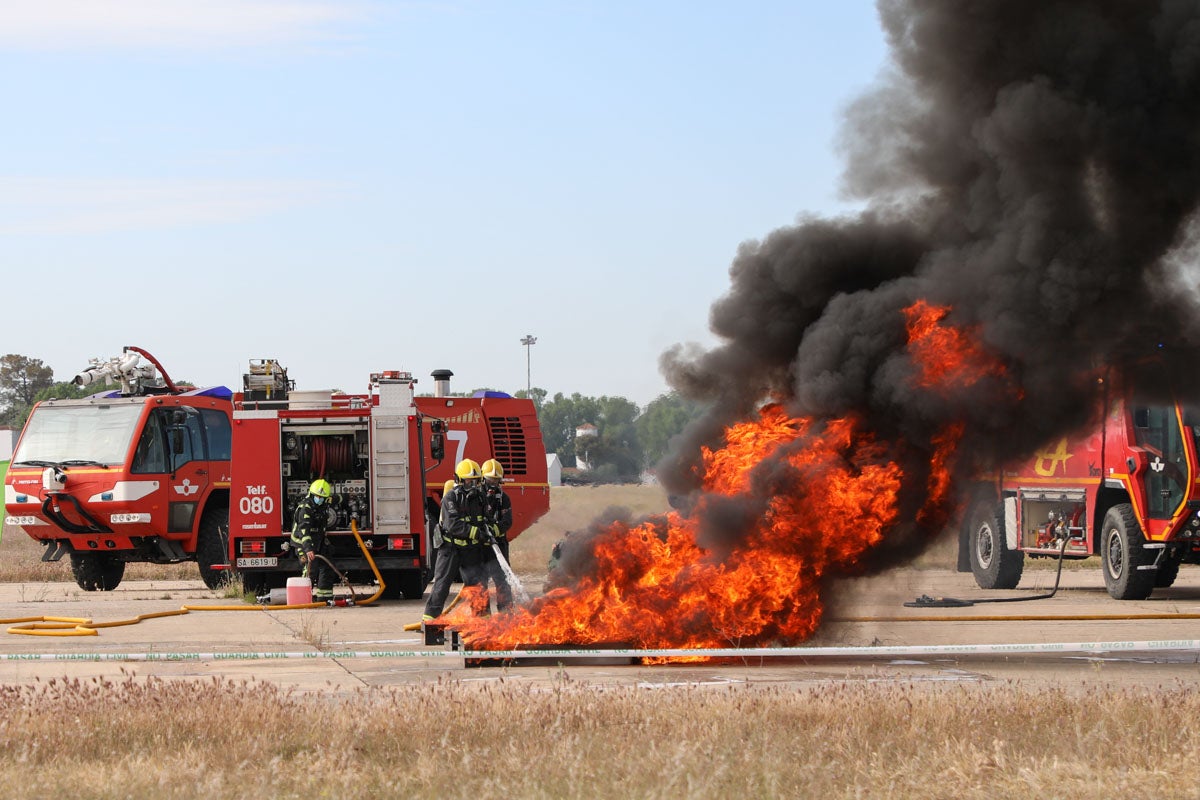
point(1058, 648)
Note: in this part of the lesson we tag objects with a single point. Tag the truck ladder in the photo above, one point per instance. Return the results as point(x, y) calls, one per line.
point(390, 469)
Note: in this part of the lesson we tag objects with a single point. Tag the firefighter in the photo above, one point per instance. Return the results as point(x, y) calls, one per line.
point(464, 531)
point(308, 538)
point(433, 521)
point(498, 511)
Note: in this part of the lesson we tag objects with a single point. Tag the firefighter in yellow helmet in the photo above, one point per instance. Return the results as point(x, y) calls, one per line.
point(464, 531)
point(308, 538)
point(498, 512)
point(433, 520)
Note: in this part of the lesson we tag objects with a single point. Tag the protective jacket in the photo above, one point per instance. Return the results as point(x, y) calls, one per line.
point(499, 512)
point(308, 531)
point(308, 536)
point(464, 517)
point(464, 531)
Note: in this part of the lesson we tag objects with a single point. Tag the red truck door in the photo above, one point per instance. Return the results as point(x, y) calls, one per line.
point(187, 456)
point(1164, 471)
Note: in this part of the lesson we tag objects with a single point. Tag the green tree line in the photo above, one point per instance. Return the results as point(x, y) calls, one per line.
point(628, 439)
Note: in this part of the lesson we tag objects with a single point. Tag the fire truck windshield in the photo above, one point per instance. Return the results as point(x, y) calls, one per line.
point(91, 433)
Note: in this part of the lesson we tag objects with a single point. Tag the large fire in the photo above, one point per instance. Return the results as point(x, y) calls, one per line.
point(807, 498)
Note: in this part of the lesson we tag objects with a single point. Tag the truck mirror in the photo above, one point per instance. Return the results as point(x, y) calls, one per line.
point(437, 439)
point(176, 440)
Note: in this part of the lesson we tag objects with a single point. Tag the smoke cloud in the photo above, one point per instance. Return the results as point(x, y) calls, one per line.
point(1035, 166)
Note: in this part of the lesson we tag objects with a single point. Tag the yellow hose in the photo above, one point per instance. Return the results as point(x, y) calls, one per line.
point(371, 562)
point(77, 626)
point(416, 626)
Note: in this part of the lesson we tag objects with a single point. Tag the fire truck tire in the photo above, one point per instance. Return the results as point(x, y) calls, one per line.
point(96, 572)
point(993, 564)
point(1168, 571)
point(1122, 553)
point(212, 547)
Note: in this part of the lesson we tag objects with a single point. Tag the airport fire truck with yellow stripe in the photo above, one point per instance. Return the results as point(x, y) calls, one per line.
point(1126, 489)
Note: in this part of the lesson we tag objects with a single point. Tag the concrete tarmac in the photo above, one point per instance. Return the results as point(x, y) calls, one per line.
point(863, 613)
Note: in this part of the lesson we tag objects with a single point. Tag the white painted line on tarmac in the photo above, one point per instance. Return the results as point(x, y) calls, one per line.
point(749, 654)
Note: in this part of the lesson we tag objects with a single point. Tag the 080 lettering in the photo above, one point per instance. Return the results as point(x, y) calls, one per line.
point(256, 505)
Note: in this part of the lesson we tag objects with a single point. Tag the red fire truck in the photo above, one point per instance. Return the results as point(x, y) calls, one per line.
point(1126, 490)
point(138, 473)
point(385, 452)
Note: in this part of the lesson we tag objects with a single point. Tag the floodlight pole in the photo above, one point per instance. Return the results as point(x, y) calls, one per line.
point(529, 340)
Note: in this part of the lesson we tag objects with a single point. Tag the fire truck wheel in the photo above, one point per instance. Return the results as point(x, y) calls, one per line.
point(212, 547)
point(1168, 571)
point(1122, 553)
point(96, 572)
point(994, 565)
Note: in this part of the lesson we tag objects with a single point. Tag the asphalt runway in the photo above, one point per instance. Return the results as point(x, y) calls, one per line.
point(868, 635)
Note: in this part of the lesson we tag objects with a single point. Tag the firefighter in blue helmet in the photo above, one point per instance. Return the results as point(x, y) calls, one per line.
point(464, 532)
point(308, 538)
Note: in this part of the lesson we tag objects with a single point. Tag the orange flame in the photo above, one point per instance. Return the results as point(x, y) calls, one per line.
point(946, 356)
point(786, 503)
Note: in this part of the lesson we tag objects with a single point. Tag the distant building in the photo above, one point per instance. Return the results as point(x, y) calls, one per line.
point(553, 469)
point(8, 441)
point(582, 432)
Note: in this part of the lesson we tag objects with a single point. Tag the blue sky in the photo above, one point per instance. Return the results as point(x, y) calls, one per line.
point(356, 186)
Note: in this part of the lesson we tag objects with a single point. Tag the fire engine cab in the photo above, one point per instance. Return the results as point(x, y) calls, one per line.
point(139, 473)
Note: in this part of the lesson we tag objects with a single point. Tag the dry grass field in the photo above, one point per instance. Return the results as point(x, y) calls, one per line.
point(471, 737)
point(132, 738)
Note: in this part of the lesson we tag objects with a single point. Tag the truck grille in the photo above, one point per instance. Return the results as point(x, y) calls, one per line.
point(508, 444)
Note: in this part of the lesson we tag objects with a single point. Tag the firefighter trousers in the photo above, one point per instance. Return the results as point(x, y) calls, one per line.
point(320, 572)
point(450, 560)
point(495, 574)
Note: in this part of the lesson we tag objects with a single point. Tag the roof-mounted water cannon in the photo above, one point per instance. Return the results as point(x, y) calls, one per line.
point(135, 378)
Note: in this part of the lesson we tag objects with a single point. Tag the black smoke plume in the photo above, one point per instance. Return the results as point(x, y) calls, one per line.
point(1032, 164)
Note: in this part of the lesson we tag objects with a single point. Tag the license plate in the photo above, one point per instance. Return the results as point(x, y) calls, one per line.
point(263, 561)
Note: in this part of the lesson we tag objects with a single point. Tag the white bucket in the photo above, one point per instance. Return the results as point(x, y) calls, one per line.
point(310, 399)
point(299, 591)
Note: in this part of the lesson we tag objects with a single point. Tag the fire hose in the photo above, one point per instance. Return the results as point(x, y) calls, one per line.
point(345, 581)
point(334, 454)
point(514, 583)
point(80, 626)
point(925, 601)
